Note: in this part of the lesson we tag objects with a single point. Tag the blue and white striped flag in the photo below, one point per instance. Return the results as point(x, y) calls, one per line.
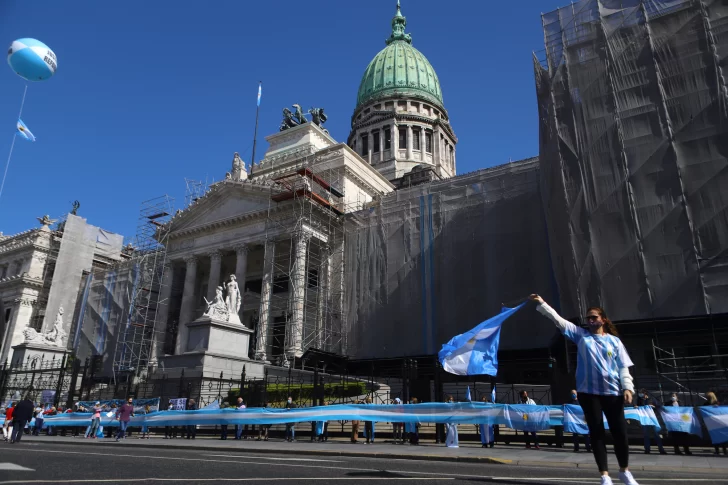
point(24, 132)
point(574, 419)
point(644, 415)
point(527, 417)
point(213, 405)
point(681, 418)
point(716, 420)
point(260, 92)
point(475, 352)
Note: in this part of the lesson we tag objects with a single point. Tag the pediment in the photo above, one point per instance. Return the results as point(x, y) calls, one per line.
point(225, 202)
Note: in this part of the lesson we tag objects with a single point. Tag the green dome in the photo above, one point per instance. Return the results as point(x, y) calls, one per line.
point(399, 69)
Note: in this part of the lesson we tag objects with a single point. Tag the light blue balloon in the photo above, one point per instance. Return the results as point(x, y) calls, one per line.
point(32, 60)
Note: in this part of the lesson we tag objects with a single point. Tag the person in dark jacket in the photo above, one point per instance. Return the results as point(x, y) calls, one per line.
point(22, 414)
point(191, 428)
point(290, 427)
point(646, 400)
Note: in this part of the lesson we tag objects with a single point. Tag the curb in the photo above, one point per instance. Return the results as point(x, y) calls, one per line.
point(385, 455)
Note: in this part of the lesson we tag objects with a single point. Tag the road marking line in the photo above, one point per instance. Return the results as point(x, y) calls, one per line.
point(292, 465)
point(270, 458)
point(262, 479)
point(12, 467)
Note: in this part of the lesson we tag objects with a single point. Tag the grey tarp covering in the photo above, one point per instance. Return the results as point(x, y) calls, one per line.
point(634, 145)
point(429, 262)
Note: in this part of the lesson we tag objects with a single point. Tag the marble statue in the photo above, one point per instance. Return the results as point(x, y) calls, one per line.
point(56, 336)
point(45, 220)
point(238, 172)
point(233, 300)
point(217, 309)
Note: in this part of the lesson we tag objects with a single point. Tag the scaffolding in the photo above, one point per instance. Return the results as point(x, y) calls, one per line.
point(305, 224)
point(137, 335)
point(633, 140)
point(690, 376)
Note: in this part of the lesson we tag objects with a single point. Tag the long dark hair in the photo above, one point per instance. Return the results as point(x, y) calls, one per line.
point(608, 325)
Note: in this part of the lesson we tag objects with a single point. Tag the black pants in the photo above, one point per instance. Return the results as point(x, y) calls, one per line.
point(613, 408)
point(18, 427)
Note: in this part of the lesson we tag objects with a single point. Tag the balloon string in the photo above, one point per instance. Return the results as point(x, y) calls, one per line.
point(12, 145)
point(22, 103)
point(7, 164)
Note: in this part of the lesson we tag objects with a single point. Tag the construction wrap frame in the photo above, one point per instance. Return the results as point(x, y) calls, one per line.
point(633, 109)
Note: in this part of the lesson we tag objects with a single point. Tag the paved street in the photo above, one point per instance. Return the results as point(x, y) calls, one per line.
point(41, 461)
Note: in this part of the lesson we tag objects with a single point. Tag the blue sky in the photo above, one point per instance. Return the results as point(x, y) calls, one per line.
point(148, 93)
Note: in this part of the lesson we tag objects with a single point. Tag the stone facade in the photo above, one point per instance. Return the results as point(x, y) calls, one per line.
point(41, 271)
point(246, 227)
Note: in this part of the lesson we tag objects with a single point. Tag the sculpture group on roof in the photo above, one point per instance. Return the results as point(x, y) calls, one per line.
point(291, 119)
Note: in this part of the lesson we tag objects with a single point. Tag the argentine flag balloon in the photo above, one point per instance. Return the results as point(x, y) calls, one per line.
point(32, 60)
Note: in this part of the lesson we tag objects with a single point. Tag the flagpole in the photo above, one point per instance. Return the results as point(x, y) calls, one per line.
point(255, 134)
point(12, 145)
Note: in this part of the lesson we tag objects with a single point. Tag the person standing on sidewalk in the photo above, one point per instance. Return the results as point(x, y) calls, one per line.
point(603, 381)
point(124, 415)
point(530, 402)
point(290, 427)
point(191, 428)
point(263, 428)
point(646, 400)
point(240, 405)
point(22, 414)
point(397, 435)
point(369, 426)
point(95, 421)
point(712, 400)
point(679, 438)
point(38, 412)
point(587, 441)
point(8, 424)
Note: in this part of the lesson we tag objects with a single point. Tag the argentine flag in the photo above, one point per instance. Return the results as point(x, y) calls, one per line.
point(475, 352)
point(260, 92)
point(574, 421)
point(213, 405)
point(681, 418)
point(716, 420)
point(527, 417)
point(24, 132)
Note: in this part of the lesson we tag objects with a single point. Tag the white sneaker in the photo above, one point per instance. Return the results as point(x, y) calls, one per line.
point(627, 478)
point(606, 480)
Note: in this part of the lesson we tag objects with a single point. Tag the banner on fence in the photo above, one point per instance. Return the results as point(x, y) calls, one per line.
point(179, 404)
point(47, 396)
point(716, 420)
point(682, 419)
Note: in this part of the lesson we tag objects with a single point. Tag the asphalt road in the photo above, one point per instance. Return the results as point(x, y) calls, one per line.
point(31, 463)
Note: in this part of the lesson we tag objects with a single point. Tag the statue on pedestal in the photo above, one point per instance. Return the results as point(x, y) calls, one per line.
point(55, 336)
point(217, 309)
point(233, 300)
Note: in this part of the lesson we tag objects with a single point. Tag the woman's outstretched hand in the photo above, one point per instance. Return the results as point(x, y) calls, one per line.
point(536, 298)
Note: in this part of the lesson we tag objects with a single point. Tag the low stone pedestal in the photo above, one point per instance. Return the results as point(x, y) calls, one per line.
point(29, 353)
point(215, 346)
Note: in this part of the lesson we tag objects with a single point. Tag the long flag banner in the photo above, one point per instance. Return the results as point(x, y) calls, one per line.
point(521, 417)
point(475, 352)
point(574, 422)
point(716, 420)
point(683, 419)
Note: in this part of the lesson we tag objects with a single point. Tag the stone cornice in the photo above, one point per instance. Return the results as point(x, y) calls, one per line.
point(220, 223)
point(21, 280)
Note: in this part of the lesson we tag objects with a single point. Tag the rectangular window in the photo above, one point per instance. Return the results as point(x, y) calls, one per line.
point(376, 142)
point(402, 137)
point(416, 140)
point(365, 145)
point(387, 139)
point(428, 142)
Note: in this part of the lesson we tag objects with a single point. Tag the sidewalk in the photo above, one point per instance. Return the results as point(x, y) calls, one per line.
point(702, 461)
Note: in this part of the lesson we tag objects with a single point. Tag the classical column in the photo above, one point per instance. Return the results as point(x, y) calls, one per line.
point(337, 322)
point(160, 322)
point(265, 294)
point(241, 269)
point(381, 144)
point(324, 280)
point(409, 142)
point(188, 305)
point(214, 280)
point(395, 141)
point(294, 342)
